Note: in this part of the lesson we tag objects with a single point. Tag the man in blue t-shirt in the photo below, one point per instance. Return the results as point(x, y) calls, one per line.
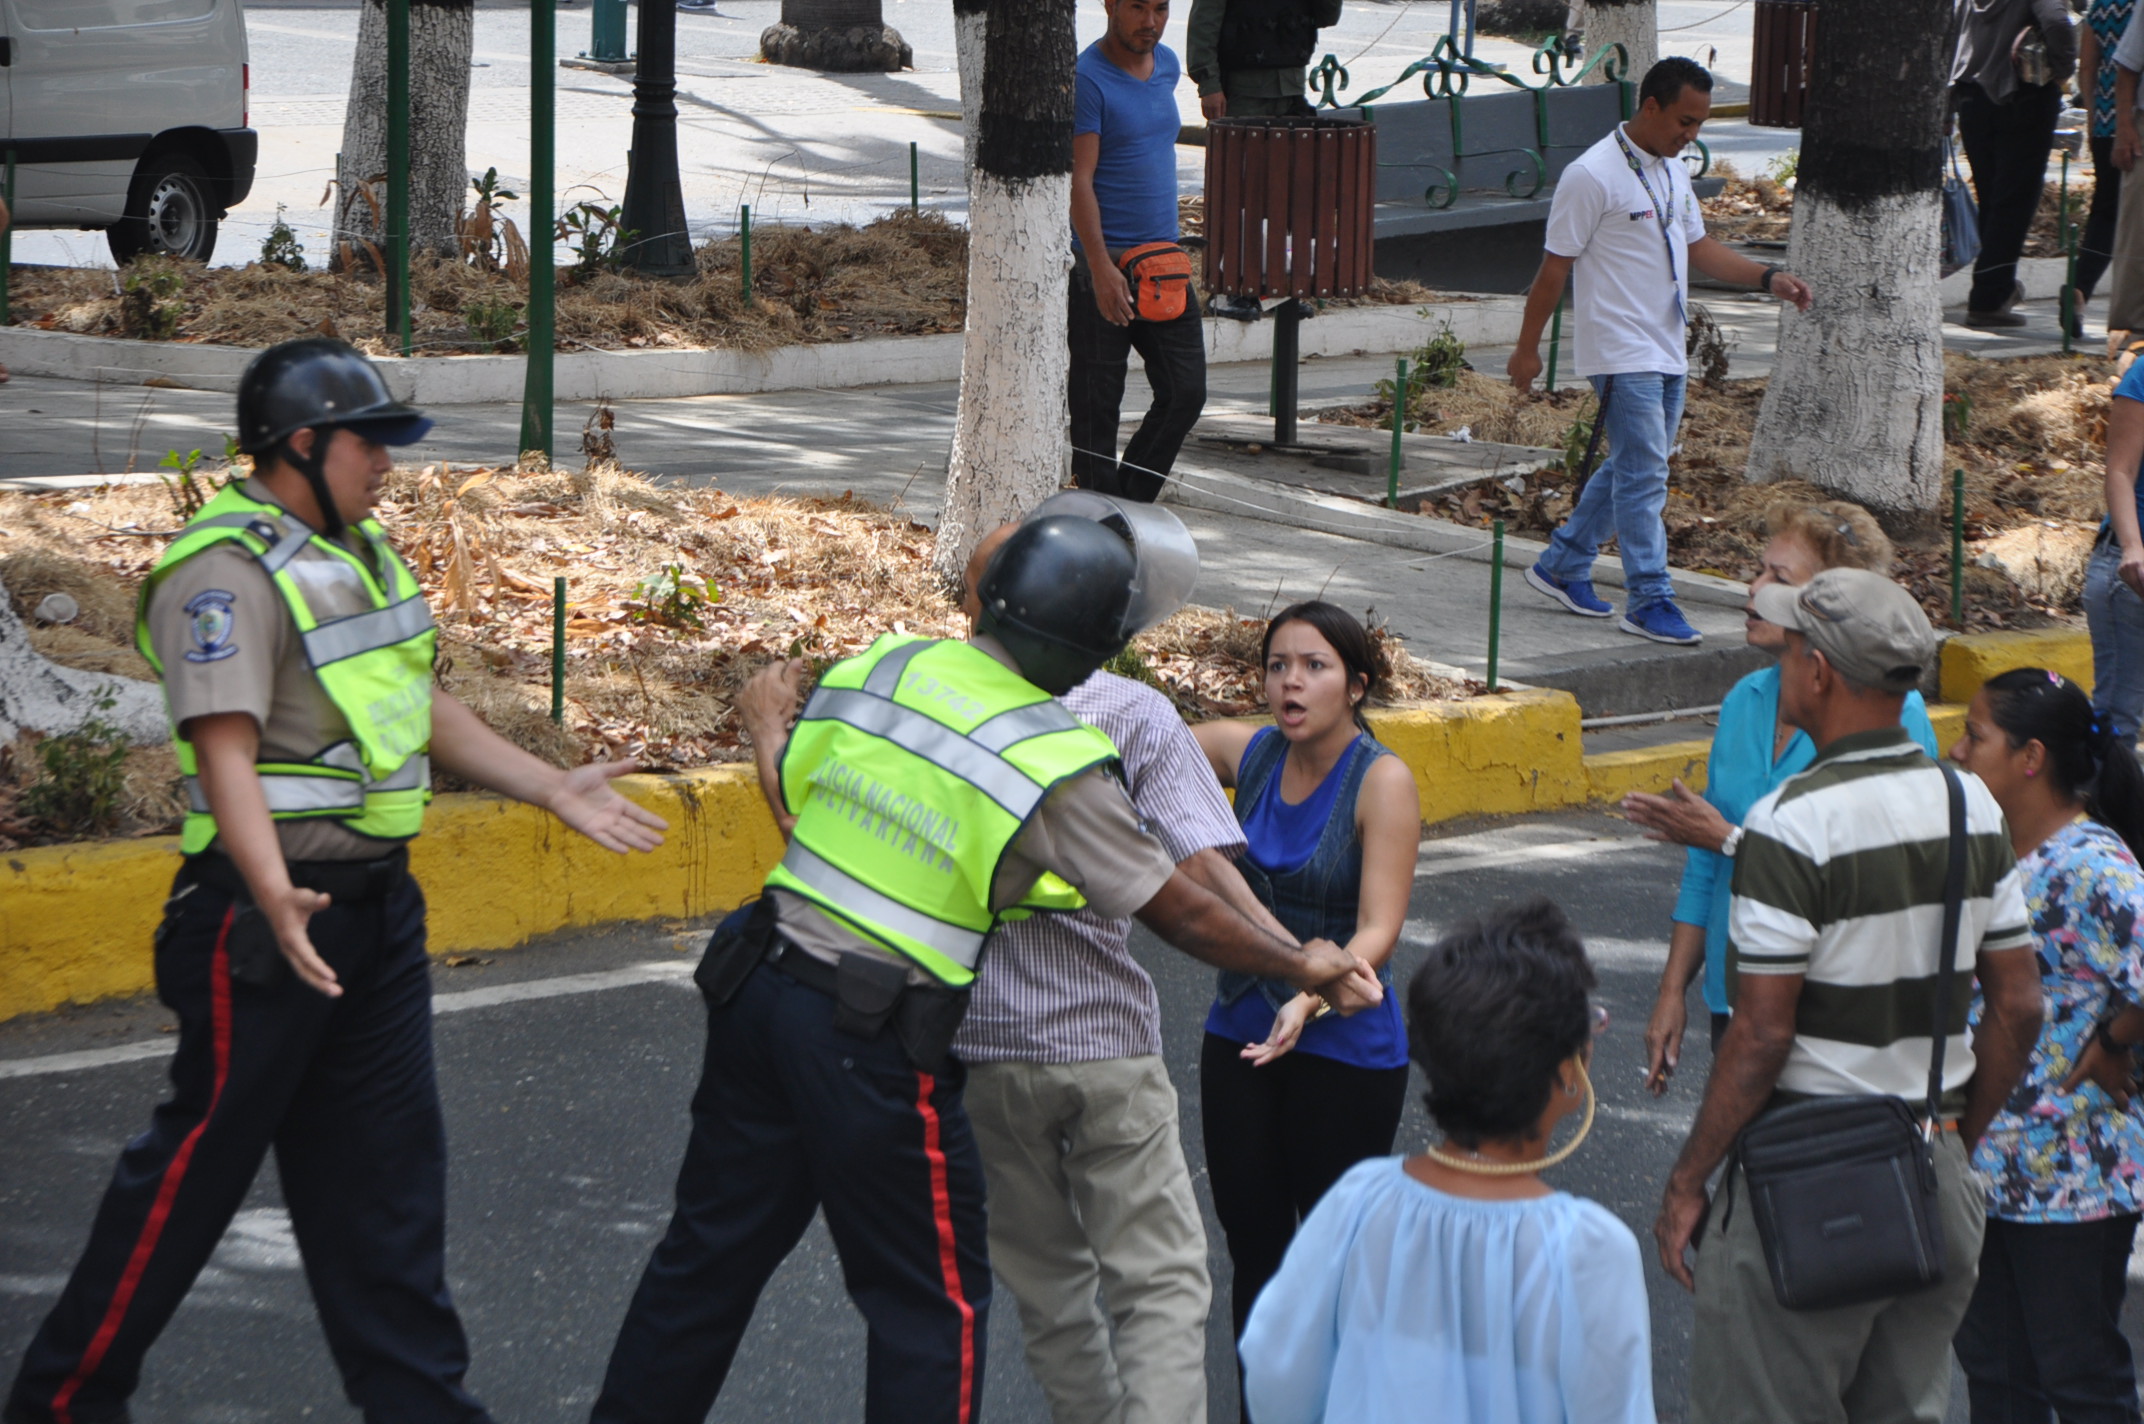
point(2114, 578)
point(1124, 128)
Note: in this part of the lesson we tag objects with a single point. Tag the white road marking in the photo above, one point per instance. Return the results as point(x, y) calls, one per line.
point(1432, 864)
point(654, 971)
point(1607, 952)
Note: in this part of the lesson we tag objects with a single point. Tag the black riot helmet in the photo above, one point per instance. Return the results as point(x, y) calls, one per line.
point(1056, 594)
point(322, 385)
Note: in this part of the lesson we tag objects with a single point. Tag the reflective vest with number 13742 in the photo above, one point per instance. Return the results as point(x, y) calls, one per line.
point(375, 666)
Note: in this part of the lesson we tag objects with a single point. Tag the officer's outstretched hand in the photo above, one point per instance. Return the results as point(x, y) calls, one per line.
point(586, 801)
point(288, 913)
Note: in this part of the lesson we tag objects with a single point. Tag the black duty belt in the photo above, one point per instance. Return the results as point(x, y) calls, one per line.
point(344, 881)
point(807, 969)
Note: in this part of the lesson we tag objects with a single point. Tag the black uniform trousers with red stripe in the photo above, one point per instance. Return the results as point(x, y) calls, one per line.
point(793, 1115)
point(344, 1091)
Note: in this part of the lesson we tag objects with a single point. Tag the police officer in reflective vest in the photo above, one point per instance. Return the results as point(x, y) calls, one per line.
point(296, 650)
point(931, 790)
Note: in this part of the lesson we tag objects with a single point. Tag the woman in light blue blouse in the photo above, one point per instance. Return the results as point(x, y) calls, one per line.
point(1457, 1284)
point(1752, 752)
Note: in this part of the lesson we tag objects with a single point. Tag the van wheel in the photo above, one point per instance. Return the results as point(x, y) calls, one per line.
point(169, 212)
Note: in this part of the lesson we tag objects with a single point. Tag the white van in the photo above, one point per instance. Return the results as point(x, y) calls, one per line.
point(127, 115)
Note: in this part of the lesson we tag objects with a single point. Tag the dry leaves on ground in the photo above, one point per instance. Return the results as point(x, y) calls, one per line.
point(674, 598)
point(2029, 433)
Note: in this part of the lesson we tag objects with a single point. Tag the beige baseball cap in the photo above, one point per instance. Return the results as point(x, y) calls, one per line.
point(1866, 626)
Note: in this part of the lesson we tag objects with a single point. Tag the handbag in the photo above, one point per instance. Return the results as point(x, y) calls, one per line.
point(1844, 1189)
point(1160, 278)
point(1961, 217)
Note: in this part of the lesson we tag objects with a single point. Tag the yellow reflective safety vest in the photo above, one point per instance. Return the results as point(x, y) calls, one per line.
point(911, 772)
point(375, 666)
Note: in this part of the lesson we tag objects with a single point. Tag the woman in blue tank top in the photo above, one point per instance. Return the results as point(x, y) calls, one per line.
point(1291, 1096)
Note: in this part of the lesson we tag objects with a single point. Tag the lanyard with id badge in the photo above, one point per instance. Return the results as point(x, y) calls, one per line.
point(1660, 215)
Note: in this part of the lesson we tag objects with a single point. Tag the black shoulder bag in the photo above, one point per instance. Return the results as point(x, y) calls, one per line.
point(1844, 1189)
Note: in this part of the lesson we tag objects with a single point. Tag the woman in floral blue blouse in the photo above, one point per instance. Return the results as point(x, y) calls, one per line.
point(2065, 1157)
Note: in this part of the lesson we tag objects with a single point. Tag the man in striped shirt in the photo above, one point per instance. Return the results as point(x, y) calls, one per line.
point(1832, 957)
point(1093, 1224)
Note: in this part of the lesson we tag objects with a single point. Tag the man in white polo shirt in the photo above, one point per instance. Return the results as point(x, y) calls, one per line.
point(1625, 219)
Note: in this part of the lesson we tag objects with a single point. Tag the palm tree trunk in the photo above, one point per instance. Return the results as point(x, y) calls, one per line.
point(1856, 396)
point(844, 36)
point(1011, 441)
point(442, 36)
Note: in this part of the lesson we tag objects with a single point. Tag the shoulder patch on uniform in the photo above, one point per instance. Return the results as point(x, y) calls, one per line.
point(213, 624)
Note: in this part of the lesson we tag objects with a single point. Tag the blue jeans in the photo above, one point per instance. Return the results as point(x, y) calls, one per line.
point(1628, 490)
point(2115, 615)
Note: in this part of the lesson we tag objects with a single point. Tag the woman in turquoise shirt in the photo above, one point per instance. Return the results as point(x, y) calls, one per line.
point(1752, 752)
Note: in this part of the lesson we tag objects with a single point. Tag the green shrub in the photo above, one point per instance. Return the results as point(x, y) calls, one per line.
point(84, 777)
point(675, 598)
point(152, 301)
point(281, 248)
point(493, 322)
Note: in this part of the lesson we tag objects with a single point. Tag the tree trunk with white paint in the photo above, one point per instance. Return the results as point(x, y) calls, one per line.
point(1011, 440)
point(442, 38)
point(1855, 401)
point(39, 695)
point(1633, 24)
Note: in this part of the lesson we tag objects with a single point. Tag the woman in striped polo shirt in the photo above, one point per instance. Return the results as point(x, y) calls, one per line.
point(2065, 1156)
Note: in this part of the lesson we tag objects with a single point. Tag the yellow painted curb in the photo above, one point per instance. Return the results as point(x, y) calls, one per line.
point(76, 920)
point(1970, 659)
point(1518, 751)
point(1611, 774)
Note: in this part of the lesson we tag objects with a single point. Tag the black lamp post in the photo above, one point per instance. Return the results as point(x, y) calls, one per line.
point(654, 199)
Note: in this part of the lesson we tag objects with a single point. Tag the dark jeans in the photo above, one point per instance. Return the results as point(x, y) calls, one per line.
point(2095, 245)
point(1276, 1138)
point(2007, 146)
point(343, 1090)
point(792, 1116)
point(2043, 1336)
point(1175, 356)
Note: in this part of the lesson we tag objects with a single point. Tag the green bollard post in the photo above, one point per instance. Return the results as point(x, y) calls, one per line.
point(915, 184)
point(1555, 343)
point(558, 650)
point(606, 33)
point(1957, 549)
point(1496, 598)
point(2069, 252)
point(744, 233)
point(1399, 419)
point(398, 172)
point(536, 411)
point(7, 238)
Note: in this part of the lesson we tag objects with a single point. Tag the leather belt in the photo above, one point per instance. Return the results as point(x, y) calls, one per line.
point(344, 881)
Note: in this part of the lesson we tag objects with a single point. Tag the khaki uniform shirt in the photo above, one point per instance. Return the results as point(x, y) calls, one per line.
point(228, 644)
point(1087, 832)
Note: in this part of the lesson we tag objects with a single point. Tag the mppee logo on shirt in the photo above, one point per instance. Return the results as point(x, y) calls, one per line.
point(213, 623)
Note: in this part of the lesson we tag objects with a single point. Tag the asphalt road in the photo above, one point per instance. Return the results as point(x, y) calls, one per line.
point(566, 1067)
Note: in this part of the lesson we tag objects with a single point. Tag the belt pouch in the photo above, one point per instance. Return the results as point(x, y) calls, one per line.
point(734, 950)
point(866, 988)
point(925, 1022)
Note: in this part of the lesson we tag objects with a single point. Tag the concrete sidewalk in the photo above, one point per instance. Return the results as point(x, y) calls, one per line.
point(1265, 545)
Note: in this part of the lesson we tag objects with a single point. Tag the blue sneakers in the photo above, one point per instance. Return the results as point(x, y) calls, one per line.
point(1577, 596)
point(1660, 621)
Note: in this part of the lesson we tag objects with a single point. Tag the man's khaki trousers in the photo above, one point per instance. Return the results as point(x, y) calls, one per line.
point(1094, 1228)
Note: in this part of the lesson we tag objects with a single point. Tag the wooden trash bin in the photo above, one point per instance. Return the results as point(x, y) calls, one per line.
point(1290, 207)
point(1785, 47)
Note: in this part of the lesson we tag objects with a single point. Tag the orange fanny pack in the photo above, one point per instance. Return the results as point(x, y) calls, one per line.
point(1160, 277)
